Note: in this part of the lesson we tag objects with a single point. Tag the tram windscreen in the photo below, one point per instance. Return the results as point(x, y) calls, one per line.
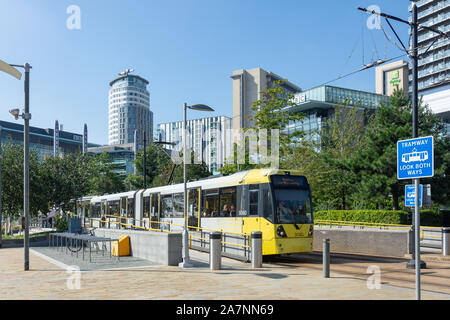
point(292, 200)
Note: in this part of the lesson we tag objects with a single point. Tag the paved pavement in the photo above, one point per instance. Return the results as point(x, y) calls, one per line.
point(49, 279)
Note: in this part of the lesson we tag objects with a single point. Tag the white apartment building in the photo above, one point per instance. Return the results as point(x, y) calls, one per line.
point(207, 137)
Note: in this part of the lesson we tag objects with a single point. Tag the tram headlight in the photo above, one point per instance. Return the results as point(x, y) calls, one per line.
point(281, 232)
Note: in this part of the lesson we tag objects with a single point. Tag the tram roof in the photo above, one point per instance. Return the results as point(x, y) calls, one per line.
point(254, 176)
point(116, 196)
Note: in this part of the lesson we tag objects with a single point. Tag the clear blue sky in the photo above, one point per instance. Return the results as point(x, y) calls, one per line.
point(187, 49)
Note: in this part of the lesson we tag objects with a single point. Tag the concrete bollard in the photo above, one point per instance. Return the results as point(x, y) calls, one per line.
point(256, 249)
point(215, 250)
point(445, 241)
point(326, 258)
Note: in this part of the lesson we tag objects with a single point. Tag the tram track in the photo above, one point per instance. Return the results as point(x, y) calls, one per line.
point(436, 278)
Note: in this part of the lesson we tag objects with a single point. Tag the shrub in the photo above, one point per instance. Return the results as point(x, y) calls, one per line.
point(428, 217)
point(61, 224)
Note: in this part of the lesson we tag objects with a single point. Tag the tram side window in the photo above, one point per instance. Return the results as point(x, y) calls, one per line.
point(178, 207)
point(146, 207)
point(154, 207)
point(253, 200)
point(130, 208)
point(96, 208)
point(166, 206)
point(211, 207)
point(228, 202)
point(113, 207)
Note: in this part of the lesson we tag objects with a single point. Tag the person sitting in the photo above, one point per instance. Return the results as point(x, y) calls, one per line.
point(232, 211)
point(225, 212)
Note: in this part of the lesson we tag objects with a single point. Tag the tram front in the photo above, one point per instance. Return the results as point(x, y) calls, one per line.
point(292, 214)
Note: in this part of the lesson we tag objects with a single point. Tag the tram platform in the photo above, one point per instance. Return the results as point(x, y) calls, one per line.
point(49, 278)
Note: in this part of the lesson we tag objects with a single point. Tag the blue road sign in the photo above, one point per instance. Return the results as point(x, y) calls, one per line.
point(415, 158)
point(410, 195)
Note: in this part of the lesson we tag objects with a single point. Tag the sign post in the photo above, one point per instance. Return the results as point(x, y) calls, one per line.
point(415, 160)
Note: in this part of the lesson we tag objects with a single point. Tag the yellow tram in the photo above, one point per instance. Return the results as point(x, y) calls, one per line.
point(276, 202)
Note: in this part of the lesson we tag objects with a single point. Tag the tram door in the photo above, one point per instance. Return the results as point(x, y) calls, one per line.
point(154, 210)
point(193, 212)
point(104, 212)
point(123, 211)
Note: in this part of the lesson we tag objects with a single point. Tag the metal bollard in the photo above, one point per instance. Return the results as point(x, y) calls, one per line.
point(411, 242)
point(256, 249)
point(445, 241)
point(326, 258)
point(215, 250)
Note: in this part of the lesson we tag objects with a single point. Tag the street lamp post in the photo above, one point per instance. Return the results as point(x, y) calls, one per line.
point(1, 158)
point(26, 115)
point(145, 161)
point(185, 253)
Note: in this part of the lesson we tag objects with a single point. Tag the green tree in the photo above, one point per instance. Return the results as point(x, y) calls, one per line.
point(322, 156)
point(194, 171)
point(157, 159)
point(276, 110)
point(12, 181)
point(341, 136)
point(103, 179)
point(66, 179)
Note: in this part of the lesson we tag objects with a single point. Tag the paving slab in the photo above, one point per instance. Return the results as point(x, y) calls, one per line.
point(236, 281)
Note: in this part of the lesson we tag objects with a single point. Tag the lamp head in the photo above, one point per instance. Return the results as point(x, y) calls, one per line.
point(200, 107)
point(15, 113)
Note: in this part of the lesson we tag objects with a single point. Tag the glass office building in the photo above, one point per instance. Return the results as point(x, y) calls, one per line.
point(121, 156)
point(318, 105)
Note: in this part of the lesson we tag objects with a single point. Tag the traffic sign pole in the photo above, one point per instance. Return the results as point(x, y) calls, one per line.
point(417, 237)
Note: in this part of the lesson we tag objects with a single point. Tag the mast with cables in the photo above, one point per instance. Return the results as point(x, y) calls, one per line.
point(414, 56)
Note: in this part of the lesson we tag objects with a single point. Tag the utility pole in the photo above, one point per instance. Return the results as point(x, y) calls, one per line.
point(26, 164)
point(415, 120)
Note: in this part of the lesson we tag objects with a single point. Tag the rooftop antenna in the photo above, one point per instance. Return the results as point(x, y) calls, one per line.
point(126, 72)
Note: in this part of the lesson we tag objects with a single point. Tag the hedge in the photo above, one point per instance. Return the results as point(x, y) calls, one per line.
point(428, 217)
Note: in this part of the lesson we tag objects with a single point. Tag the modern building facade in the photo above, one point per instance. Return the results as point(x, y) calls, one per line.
point(392, 76)
point(42, 140)
point(247, 88)
point(318, 106)
point(207, 137)
point(129, 109)
point(122, 157)
point(434, 65)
